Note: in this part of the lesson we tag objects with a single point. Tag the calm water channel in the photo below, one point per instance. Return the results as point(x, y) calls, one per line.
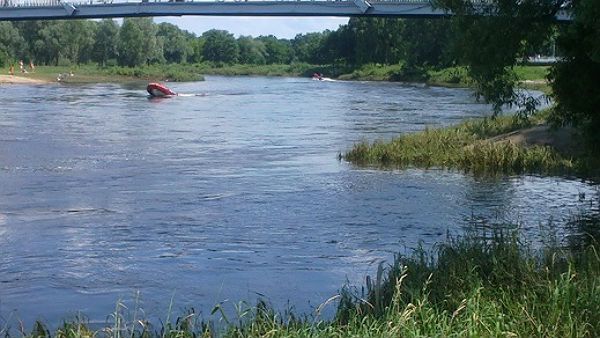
point(228, 194)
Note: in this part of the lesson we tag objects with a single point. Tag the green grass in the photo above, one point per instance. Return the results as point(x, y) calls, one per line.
point(452, 76)
point(92, 73)
point(491, 285)
point(173, 72)
point(465, 147)
point(480, 285)
point(295, 69)
point(532, 73)
point(534, 77)
point(374, 72)
point(170, 72)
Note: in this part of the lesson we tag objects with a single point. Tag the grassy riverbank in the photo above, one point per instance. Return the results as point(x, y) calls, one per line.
point(171, 73)
point(454, 76)
point(482, 285)
point(484, 146)
point(96, 74)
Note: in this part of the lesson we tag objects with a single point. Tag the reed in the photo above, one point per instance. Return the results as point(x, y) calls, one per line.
point(466, 147)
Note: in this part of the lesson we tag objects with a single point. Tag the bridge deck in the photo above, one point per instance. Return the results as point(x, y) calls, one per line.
point(57, 9)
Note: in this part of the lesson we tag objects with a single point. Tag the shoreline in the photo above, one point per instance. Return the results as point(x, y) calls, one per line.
point(453, 77)
point(487, 284)
point(500, 146)
point(16, 79)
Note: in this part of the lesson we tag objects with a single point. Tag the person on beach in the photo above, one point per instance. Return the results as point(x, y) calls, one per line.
point(21, 66)
point(11, 70)
point(31, 66)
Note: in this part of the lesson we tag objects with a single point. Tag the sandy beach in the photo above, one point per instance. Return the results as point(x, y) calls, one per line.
point(13, 79)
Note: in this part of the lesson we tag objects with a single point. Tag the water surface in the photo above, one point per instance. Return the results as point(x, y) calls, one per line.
point(232, 191)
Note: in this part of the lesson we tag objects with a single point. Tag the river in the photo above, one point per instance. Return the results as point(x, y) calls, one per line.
point(230, 192)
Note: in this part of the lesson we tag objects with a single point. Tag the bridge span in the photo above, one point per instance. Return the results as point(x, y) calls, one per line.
point(13, 10)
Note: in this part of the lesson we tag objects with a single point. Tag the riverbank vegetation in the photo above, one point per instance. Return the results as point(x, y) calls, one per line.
point(482, 285)
point(93, 74)
point(364, 49)
point(502, 145)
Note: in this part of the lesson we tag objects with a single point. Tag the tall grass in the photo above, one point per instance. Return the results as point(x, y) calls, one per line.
point(480, 285)
point(464, 147)
point(494, 286)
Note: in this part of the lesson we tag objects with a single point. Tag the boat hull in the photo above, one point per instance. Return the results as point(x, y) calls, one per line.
point(158, 90)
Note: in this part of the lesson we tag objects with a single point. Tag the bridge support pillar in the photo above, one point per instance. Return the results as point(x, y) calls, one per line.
point(70, 8)
point(363, 5)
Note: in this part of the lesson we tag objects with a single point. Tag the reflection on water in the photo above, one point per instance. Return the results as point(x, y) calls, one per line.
point(229, 194)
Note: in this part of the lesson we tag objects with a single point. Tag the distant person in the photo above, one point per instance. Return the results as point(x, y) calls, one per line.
point(21, 66)
point(11, 70)
point(31, 66)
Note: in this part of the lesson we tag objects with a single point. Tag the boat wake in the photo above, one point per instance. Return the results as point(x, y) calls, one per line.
point(324, 79)
point(190, 95)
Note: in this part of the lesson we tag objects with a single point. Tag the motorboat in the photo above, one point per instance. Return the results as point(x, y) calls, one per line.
point(159, 90)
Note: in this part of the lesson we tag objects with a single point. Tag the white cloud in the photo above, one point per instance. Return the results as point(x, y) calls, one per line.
point(282, 27)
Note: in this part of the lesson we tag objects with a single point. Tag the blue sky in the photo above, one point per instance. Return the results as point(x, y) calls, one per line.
point(282, 27)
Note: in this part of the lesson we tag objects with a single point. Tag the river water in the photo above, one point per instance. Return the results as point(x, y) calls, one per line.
point(231, 192)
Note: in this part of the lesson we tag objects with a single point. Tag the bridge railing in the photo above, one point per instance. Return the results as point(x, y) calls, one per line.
point(58, 3)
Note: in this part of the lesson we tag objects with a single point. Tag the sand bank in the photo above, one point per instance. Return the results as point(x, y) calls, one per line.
point(19, 80)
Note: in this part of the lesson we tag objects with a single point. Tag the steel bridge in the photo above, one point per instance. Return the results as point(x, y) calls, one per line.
point(13, 10)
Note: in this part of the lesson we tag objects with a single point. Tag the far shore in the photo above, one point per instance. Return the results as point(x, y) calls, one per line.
point(530, 77)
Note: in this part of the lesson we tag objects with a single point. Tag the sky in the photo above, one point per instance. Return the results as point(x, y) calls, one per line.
point(281, 27)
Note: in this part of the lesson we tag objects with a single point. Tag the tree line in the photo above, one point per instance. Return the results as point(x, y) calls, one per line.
point(140, 41)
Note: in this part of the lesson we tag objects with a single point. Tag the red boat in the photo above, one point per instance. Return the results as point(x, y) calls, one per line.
point(159, 90)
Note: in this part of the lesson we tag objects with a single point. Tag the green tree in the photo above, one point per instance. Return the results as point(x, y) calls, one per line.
point(48, 45)
point(137, 43)
point(340, 46)
point(105, 41)
point(220, 46)
point(175, 43)
point(30, 31)
point(251, 51)
point(575, 78)
point(378, 40)
point(12, 44)
point(428, 42)
point(196, 46)
point(277, 50)
point(77, 40)
point(309, 47)
point(491, 37)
